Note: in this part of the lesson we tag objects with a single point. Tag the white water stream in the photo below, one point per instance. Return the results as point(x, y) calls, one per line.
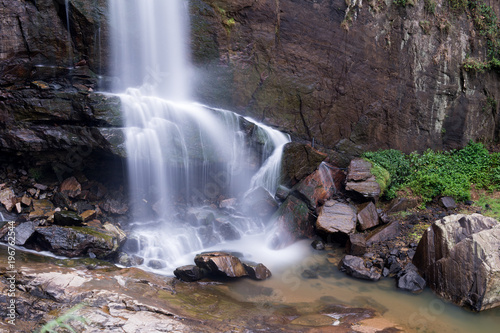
point(182, 156)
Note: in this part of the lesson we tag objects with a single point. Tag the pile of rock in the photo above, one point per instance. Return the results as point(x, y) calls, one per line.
point(74, 218)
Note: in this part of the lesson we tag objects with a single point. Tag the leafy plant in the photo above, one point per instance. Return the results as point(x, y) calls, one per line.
point(431, 174)
point(62, 321)
point(430, 6)
point(404, 3)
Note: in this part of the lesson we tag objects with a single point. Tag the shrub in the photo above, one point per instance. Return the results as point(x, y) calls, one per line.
point(431, 174)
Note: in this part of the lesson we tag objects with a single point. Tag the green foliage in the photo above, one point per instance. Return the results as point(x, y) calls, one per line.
point(404, 3)
point(459, 5)
point(430, 6)
point(382, 176)
point(62, 321)
point(490, 206)
point(433, 174)
point(396, 163)
point(426, 26)
point(475, 65)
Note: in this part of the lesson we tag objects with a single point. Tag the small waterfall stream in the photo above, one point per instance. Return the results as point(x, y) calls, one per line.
point(183, 157)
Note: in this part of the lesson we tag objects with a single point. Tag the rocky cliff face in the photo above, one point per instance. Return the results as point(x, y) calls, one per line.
point(350, 75)
point(51, 62)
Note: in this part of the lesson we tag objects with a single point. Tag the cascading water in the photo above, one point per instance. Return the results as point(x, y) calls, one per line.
point(182, 157)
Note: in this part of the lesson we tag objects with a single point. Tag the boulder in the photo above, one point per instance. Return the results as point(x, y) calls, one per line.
point(459, 257)
point(298, 161)
point(316, 188)
point(76, 241)
point(189, 273)
point(228, 232)
point(360, 179)
point(448, 203)
point(294, 221)
point(22, 233)
point(355, 267)
point(71, 187)
point(259, 203)
point(409, 279)
point(356, 245)
point(368, 216)
point(336, 217)
point(402, 204)
point(221, 263)
point(257, 271)
point(383, 233)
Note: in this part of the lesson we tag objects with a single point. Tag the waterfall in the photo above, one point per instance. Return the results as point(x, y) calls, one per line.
point(183, 158)
point(2, 219)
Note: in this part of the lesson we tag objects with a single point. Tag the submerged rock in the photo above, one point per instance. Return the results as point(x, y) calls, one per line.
point(409, 279)
point(459, 257)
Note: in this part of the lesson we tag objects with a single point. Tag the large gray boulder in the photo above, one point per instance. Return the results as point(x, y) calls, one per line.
point(459, 256)
point(360, 180)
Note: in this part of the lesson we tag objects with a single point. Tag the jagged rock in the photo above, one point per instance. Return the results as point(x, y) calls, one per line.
point(316, 188)
point(336, 217)
point(67, 218)
point(368, 216)
point(7, 198)
point(355, 267)
point(26, 200)
point(410, 280)
point(257, 271)
point(360, 179)
point(228, 232)
point(448, 203)
point(228, 203)
point(75, 241)
point(41, 209)
point(294, 221)
point(189, 273)
point(356, 245)
point(282, 192)
point(221, 263)
point(459, 257)
point(382, 233)
point(114, 206)
point(22, 233)
point(318, 245)
point(298, 161)
point(88, 215)
point(71, 187)
point(259, 203)
point(402, 204)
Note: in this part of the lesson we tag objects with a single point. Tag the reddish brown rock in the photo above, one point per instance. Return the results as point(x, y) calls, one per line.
point(360, 179)
point(316, 188)
point(71, 187)
point(383, 233)
point(221, 263)
point(294, 221)
point(336, 217)
point(298, 161)
point(368, 216)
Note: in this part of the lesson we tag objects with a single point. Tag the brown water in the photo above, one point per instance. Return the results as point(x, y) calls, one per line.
point(413, 313)
point(424, 312)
